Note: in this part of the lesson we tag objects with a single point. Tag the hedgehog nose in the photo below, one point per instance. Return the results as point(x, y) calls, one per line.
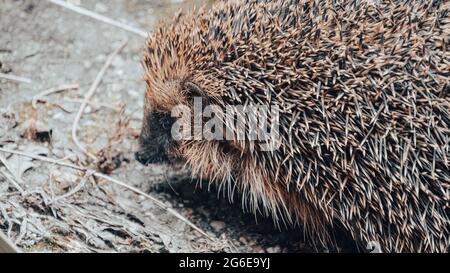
point(142, 157)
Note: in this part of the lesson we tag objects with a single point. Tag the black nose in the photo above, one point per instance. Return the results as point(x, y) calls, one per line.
point(142, 157)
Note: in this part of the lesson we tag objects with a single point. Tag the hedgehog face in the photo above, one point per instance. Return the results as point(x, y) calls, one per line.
point(156, 142)
point(160, 139)
point(155, 139)
point(170, 107)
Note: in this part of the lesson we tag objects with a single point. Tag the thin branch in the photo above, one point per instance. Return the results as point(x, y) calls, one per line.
point(51, 91)
point(76, 189)
point(88, 97)
point(15, 78)
point(99, 17)
point(13, 182)
point(115, 181)
point(23, 229)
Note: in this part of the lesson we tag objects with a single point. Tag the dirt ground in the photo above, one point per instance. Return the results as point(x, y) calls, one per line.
point(47, 207)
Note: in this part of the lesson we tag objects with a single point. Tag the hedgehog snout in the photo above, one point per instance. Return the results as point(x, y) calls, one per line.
point(148, 156)
point(155, 139)
point(153, 150)
point(142, 157)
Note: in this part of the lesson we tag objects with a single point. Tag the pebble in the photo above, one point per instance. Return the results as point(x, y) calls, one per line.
point(243, 240)
point(217, 225)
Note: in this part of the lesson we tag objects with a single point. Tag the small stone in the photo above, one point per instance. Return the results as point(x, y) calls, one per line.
point(217, 225)
point(141, 198)
point(243, 240)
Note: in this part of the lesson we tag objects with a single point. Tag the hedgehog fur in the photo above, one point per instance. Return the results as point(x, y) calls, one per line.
point(363, 89)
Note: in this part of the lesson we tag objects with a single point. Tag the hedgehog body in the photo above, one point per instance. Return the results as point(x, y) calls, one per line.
point(363, 93)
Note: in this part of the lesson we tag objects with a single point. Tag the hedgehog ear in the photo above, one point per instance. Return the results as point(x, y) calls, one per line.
point(193, 90)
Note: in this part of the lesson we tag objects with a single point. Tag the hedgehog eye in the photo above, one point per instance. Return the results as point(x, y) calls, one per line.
point(194, 90)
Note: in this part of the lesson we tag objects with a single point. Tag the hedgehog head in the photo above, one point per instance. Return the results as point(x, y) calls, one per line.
point(173, 128)
point(174, 80)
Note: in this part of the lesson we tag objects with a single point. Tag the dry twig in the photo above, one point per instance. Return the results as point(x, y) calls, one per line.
point(51, 91)
point(13, 182)
point(76, 189)
point(99, 17)
point(14, 78)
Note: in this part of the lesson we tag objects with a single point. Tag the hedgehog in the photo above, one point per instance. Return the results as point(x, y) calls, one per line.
point(362, 91)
